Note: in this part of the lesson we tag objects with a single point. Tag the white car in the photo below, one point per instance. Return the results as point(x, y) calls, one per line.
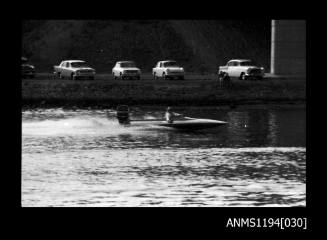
point(126, 69)
point(168, 69)
point(242, 69)
point(74, 69)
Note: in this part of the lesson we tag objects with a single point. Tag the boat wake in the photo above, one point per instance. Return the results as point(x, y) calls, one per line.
point(78, 126)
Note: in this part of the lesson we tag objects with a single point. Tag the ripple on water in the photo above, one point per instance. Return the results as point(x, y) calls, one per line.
point(80, 158)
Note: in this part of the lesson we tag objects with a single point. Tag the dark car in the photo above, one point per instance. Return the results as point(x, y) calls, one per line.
point(28, 70)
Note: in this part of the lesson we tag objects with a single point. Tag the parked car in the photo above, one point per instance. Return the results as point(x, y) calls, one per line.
point(126, 69)
point(74, 69)
point(242, 69)
point(168, 69)
point(28, 70)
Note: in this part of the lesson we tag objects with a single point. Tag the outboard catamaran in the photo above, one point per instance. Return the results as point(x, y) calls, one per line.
point(186, 123)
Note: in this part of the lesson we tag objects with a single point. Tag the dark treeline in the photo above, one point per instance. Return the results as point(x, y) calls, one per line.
point(199, 45)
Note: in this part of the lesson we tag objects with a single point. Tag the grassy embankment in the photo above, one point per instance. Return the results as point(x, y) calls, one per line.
point(195, 90)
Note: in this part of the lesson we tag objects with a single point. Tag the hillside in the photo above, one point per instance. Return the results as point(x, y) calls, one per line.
point(199, 45)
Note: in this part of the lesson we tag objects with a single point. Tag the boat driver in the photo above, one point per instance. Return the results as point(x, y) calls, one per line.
point(169, 115)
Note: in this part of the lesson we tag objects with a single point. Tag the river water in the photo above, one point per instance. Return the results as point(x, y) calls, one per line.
point(85, 158)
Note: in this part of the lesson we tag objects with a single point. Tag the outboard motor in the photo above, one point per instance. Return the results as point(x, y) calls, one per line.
point(122, 114)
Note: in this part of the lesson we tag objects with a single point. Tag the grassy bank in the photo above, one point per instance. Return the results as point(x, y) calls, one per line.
point(195, 90)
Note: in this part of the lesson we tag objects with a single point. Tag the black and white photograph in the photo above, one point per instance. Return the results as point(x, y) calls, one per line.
point(163, 113)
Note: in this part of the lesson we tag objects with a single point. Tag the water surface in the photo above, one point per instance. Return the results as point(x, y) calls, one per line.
point(85, 158)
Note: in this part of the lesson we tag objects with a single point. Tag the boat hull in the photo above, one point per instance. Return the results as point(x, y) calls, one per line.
point(189, 124)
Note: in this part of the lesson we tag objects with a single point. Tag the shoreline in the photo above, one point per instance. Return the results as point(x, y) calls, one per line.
point(104, 105)
point(198, 90)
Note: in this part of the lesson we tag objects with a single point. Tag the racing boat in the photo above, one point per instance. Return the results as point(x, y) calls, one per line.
point(186, 123)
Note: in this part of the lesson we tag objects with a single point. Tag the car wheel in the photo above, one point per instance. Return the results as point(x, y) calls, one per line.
point(60, 76)
point(164, 76)
point(155, 76)
point(243, 77)
point(121, 76)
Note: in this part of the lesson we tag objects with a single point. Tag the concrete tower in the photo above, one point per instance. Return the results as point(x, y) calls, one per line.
point(288, 48)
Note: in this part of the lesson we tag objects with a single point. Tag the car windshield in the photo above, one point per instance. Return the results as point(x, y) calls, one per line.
point(78, 64)
point(170, 64)
point(127, 64)
point(248, 63)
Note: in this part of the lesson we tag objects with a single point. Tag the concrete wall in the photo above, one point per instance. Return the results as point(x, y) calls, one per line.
point(288, 47)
